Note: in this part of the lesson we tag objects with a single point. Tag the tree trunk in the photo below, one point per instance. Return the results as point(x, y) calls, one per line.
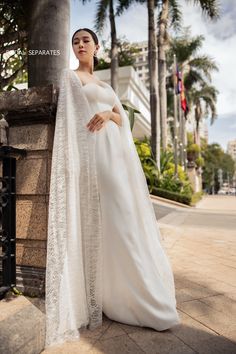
point(48, 29)
point(153, 76)
point(162, 71)
point(197, 119)
point(114, 49)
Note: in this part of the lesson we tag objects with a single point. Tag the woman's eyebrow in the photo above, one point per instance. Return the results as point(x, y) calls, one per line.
point(82, 37)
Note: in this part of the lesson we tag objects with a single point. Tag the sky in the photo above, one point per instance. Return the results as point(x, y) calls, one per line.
point(220, 44)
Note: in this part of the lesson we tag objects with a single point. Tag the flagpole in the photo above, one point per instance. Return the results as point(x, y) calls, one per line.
point(175, 121)
point(180, 129)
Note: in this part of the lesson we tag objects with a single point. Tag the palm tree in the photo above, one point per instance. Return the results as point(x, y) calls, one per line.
point(153, 75)
point(171, 14)
point(196, 69)
point(170, 10)
point(103, 8)
point(196, 73)
point(203, 101)
point(153, 72)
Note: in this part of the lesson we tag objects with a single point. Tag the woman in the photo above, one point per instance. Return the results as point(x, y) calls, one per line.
point(104, 251)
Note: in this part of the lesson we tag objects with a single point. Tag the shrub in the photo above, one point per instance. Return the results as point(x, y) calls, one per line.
point(164, 179)
point(193, 148)
point(178, 197)
point(196, 197)
point(199, 161)
point(193, 152)
point(148, 163)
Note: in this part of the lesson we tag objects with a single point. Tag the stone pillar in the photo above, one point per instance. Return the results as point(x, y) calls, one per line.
point(30, 114)
point(194, 177)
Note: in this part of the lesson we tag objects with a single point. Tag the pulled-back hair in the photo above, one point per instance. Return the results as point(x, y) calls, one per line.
point(95, 39)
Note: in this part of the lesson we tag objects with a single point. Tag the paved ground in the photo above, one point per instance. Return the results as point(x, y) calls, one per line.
point(201, 246)
point(215, 202)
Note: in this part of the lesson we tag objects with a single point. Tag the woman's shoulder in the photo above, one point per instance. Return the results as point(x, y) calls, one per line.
point(64, 72)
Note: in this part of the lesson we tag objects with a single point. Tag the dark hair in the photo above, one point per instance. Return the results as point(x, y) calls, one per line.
point(95, 39)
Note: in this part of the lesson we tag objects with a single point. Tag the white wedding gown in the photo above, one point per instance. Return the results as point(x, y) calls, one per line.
point(135, 290)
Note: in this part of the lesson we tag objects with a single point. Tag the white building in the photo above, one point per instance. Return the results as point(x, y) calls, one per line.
point(132, 91)
point(231, 149)
point(141, 61)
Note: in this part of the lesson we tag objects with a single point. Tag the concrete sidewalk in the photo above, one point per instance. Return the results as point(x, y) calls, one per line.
point(218, 202)
point(202, 250)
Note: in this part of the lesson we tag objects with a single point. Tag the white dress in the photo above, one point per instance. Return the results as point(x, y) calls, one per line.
point(134, 288)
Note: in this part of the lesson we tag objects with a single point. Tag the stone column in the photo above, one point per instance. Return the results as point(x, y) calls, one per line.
point(194, 177)
point(30, 114)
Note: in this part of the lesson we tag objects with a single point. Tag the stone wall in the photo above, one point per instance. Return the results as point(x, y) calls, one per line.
point(31, 114)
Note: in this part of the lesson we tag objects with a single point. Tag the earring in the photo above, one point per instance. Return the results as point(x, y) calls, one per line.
point(95, 54)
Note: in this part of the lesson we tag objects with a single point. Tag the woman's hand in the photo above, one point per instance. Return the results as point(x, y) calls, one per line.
point(98, 121)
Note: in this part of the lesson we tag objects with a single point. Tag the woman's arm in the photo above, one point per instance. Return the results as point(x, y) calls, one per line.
point(115, 116)
point(99, 119)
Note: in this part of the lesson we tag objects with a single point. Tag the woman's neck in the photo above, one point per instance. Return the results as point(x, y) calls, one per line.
point(85, 69)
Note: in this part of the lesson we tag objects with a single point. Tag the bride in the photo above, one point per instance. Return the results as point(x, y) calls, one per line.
point(104, 248)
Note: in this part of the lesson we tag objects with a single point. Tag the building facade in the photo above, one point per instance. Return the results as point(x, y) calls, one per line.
point(141, 61)
point(231, 149)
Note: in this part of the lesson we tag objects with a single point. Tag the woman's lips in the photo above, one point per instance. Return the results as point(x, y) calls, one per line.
point(82, 51)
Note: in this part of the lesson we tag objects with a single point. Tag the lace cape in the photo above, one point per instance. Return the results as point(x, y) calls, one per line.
point(73, 296)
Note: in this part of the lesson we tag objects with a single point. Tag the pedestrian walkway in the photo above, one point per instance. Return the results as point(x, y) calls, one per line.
point(218, 202)
point(202, 250)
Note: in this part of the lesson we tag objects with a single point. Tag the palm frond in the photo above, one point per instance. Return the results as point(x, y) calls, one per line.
point(211, 8)
point(210, 104)
point(100, 18)
point(193, 77)
point(205, 96)
point(185, 46)
point(205, 64)
point(175, 15)
point(125, 4)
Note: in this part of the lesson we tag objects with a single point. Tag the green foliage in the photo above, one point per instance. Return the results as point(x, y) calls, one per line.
point(178, 197)
point(166, 159)
point(125, 54)
point(190, 138)
point(14, 37)
point(164, 179)
point(131, 114)
point(148, 163)
point(178, 184)
point(193, 151)
point(196, 197)
point(193, 148)
point(102, 65)
point(215, 158)
point(199, 161)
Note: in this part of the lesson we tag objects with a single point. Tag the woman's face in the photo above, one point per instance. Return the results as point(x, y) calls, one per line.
point(84, 46)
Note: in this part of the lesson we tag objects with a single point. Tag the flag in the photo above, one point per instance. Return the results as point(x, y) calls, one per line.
point(183, 99)
point(178, 81)
point(179, 89)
